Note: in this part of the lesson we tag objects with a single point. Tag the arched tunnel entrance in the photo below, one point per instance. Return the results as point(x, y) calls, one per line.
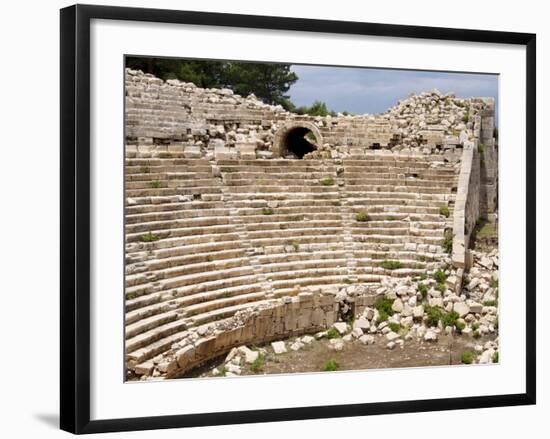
point(296, 139)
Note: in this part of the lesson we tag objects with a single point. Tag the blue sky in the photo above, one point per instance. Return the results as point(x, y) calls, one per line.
point(362, 90)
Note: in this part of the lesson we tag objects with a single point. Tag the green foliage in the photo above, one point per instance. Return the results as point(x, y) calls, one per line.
point(444, 210)
point(296, 245)
point(331, 366)
point(395, 327)
point(447, 242)
point(491, 303)
point(144, 169)
point(440, 276)
point(433, 315)
point(494, 283)
point(475, 326)
point(460, 326)
point(467, 357)
point(318, 108)
point(450, 319)
point(391, 265)
point(268, 81)
point(267, 211)
point(149, 237)
point(423, 290)
point(466, 118)
point(441, 287)
point(362, 216)
point(155, 184)
point(481, 148)
point(258, 363)
point(332, 333)
point(328, 181)
point(384, 307)
point(476, 334)
point(494, 358)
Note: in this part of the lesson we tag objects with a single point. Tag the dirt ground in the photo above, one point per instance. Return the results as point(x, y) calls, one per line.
point(356, 356)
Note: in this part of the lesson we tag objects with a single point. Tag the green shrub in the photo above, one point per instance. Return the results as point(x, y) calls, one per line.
point(332, 333)
point(423, 290)
point(450, 319)
point(494, 358)
point(155, 184)
point(475, 326)
point(328, 181)
point(476, 334)
point(149, 237)
point(395, 327)
point(331, 366)
point(433, 315)
point(460, 326)
point(444, 210)
point(491, 303)
point(440, 276)
point(494, 283)
point(467, 357)
point(144, 169)
point(362, 216)
point(466, 118)
point(441, 287)
point(296, 245)
point(391, 265)
point(481, 148)
point(258, 363)
point(384, 307)
point(447, 242)
point(267, 211)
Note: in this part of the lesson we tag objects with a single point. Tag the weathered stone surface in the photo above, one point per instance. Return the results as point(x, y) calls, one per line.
point(278, 347)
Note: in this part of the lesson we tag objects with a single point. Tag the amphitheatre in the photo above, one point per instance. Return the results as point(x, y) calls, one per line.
point(251, 230)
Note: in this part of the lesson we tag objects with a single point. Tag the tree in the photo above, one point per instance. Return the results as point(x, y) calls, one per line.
point(269, 82)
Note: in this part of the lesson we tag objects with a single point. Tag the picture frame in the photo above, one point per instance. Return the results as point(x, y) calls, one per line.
point(76, 390)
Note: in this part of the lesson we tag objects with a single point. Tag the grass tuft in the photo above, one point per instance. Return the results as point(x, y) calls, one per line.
point(331, 366)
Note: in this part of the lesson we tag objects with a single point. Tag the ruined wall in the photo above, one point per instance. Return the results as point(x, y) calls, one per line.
point(217, 124)
point(306, 313)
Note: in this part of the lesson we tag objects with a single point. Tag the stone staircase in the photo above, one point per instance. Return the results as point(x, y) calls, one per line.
point(207, 239)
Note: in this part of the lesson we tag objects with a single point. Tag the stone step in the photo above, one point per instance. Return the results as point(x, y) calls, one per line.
point(206, 221)
point(173, 191)
point(167, 302)
point(174, 215)
point(144, 208)
point(188, 269)
point(397, 189)
point(225, 278)
point(165, 183)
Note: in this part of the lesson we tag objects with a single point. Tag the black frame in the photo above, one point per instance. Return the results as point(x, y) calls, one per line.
point(75, 217)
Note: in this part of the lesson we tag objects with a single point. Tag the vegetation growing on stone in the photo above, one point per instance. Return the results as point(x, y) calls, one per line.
point(332, 333)
point(433, 315)
point(362, 216)
point(149, 237)
point(384, 307)
point(444, 210)
point(391, 265)
point(447, 243)
point(155, 184)
point(423, 290)
point(327, 181)
point(267, 211)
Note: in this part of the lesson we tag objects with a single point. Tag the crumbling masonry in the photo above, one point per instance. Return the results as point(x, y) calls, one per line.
point(244, 221)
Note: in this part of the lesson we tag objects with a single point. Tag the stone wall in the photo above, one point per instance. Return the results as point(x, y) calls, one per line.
point(307, 313)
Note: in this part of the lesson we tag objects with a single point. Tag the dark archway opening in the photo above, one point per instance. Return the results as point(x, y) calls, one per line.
point(299, 141)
